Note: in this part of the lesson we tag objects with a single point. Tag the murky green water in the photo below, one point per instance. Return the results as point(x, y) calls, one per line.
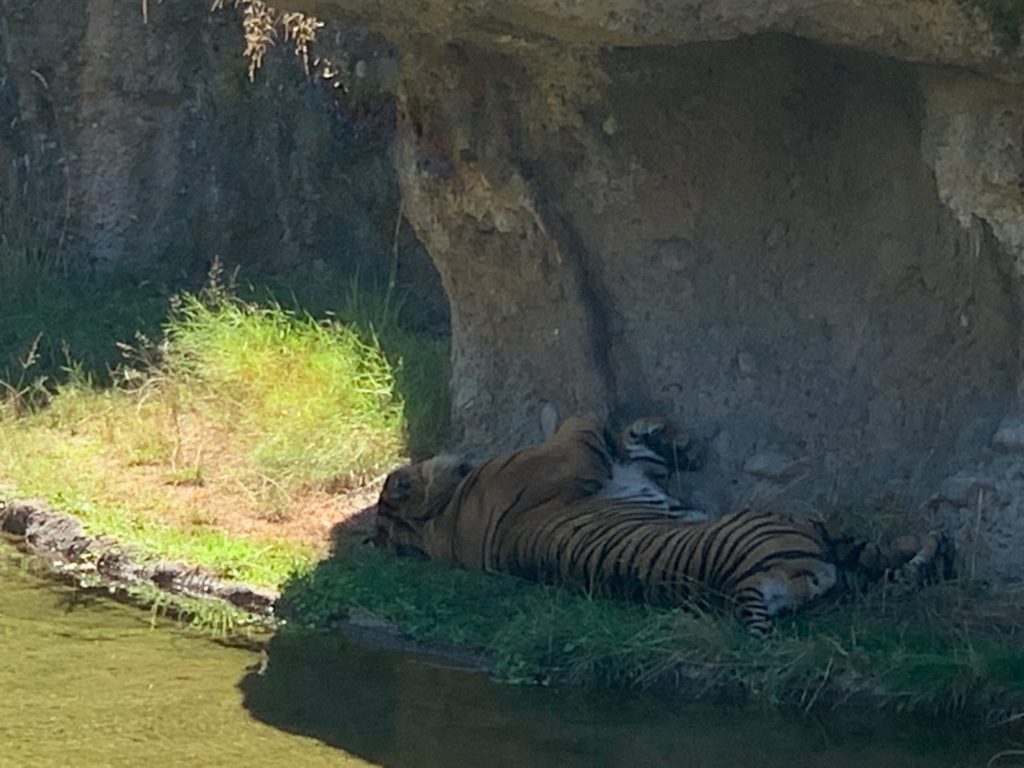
point(87, 682)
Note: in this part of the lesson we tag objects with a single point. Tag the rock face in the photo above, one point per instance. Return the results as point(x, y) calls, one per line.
point(795, 226)
point(139, 144)
point(744, 235)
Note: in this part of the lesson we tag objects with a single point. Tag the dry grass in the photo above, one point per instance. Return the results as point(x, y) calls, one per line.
point(261, 24)
point(246, 420)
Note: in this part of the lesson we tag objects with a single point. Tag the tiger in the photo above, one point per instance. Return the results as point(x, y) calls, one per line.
point(554, 513)
point(646, 455)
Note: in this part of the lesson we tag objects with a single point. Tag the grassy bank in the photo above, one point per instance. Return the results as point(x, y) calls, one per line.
point(230, 433)
point(238, 432)
point(927, 652)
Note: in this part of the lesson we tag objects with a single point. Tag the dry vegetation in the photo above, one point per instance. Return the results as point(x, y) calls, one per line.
point(261, 24)
point(244, 419)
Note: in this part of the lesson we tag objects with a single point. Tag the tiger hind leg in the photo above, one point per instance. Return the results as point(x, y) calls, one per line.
point(913, 560)
point(779, 591)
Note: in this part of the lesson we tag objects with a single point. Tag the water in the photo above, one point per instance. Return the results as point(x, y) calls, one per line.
point(88, 682)
point(85, 681)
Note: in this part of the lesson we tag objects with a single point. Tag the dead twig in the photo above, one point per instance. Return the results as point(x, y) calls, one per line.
point(1005, 753)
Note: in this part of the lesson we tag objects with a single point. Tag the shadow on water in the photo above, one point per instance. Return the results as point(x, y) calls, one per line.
point(95, 683)
point(401, 710)
point(87, 681)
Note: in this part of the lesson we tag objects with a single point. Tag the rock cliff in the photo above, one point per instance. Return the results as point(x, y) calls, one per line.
point(131, 138)
point(795, 226)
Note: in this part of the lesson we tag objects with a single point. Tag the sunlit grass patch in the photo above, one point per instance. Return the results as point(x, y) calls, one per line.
point(418, 354)
point(243, 418)
point(308, 401)
point(257, 561)
point(259, 393)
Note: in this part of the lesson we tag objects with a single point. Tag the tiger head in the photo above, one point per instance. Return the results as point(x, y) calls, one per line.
point(658, 441)
point(412, 496)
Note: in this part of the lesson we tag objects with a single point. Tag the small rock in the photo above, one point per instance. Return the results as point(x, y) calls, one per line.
point(165, 573)
point(772, 465)
point(962, 489)
point(1010, 435)
point(248, 599)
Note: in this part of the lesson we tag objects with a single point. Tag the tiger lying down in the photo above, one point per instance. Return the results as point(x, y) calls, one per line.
point(590, 511)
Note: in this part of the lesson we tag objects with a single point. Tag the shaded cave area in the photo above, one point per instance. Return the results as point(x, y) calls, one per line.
point(762, 238)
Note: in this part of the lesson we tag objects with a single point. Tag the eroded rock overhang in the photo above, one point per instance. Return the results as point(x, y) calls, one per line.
point(796, 226)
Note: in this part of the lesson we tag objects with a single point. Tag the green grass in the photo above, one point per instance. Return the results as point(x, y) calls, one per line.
point(230, 413)
point(896, 652)
point(246, 405)
point(215, 618)
point(51, 322)
point(283, 399)
point(57, 329)
point(251, 395)
point(419, 356)
point(312, 401)
point(254, 561)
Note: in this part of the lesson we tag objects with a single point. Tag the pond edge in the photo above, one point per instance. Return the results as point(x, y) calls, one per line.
point(59, 540)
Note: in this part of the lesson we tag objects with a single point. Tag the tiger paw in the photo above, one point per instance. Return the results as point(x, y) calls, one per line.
point(932, 561)
point(661, 447)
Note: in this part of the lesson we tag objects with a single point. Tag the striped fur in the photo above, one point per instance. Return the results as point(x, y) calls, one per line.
point(758, 563)
point(545, 514)
point(648, 452)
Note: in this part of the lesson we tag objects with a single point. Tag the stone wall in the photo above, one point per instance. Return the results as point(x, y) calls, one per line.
point(795, 226)
point(140, 144)
point(745, 235)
